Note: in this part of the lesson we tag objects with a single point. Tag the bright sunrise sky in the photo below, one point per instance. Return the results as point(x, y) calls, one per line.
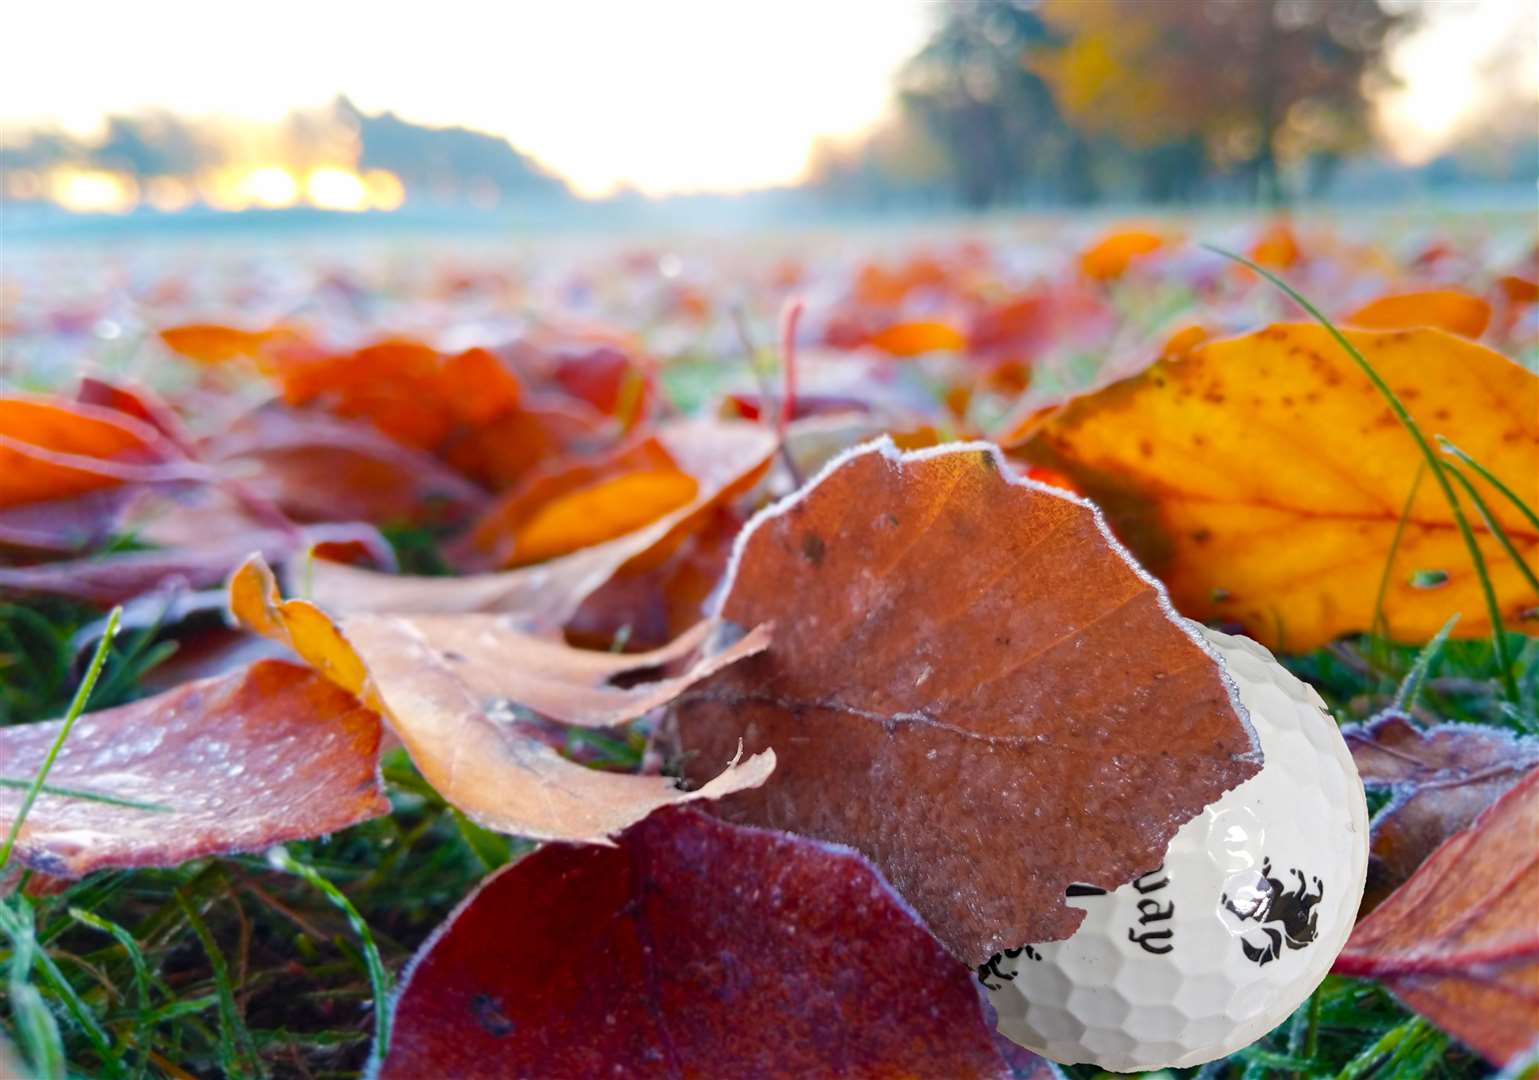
point(666, 95)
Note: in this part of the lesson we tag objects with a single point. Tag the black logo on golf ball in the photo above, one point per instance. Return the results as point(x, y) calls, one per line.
point(992, 967)
point(1283, 916)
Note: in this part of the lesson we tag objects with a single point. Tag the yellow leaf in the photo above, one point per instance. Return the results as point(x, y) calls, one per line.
point(1262, 478)
point(1453, 310)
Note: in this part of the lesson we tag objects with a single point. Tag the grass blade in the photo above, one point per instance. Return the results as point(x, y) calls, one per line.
point(76, 707)
point(235, 1046)
point(379, 978)
point(1493, 609)
point(1494, 526)
point(88, 796)
point(33, 1022)
point(1380, 626)
point(1416, 678)
point(1489, 477)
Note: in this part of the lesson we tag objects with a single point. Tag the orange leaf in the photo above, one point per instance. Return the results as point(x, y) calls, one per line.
point(56, 449)
point(1109, 257)
point(606, 510)
point(725, 459)
point(1262, 478)
point(211, 343)
point(1276, 247)
point(263, 755)
point(957, 652)
point(910, 339)
point(405, 388)
point(1453, 310)
point(496, 532)
point(1459, 942)
point(453, 688)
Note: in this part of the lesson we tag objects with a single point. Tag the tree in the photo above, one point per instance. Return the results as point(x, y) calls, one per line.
point(1256, 82)
point(994, 117)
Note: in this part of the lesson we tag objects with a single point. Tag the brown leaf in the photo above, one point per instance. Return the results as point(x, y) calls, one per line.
point(118, 578)
point(725, 458)
point(1459, 941)
point(453, 688)
point(690, 949)
point(257, 757)
point(1441, 779)
point(971, 684)
point(320, 468)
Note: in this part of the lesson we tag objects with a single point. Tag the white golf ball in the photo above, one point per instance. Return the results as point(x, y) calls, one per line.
point(1213, 949)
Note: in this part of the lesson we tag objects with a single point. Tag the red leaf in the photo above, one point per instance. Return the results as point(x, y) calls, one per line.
point(691, 949)
point(258, 757)
point(972, 685)
point(1459, 941)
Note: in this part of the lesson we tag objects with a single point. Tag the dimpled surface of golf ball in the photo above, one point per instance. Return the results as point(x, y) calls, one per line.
point(1217, 946)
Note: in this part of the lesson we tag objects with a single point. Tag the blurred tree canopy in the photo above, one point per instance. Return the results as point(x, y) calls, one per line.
point(1065, 100)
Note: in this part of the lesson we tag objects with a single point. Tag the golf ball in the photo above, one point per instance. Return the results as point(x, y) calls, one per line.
point(1219, 944)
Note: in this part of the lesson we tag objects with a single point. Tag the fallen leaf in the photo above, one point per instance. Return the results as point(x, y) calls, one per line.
point(1110, 256)
point(1262, 479)
point(1453, 310)
point(257, 757)
point(1440, 778)
point(908, 339)
point(316, 467)
point(453, 688)
point(73, 524)
point(211, 343)
point(725, 458)
point(1277, 247)
point(54, 450)
point(1459, 942)
point(405, 388)
point(501, 453)
point(691, 949)
point(139, 403)
point(566, 492)
point(972, 685)
point(114, 579)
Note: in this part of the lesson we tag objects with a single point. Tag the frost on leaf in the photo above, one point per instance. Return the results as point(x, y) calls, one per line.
point(237, 763)
point(1440, 778)
point(972, 685)
point(691, 948)
point(1459, 941)
point(466, 694)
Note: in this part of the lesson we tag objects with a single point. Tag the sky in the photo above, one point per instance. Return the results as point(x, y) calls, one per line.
point(663, 95)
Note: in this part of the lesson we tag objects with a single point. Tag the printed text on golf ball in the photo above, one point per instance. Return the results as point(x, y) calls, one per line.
point(1211, 950)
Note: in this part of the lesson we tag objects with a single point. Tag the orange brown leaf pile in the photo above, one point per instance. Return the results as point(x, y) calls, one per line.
point(1459, 942)
point(588, 961)
point(1262, 478)
point(236, 763)
point(956, 653)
